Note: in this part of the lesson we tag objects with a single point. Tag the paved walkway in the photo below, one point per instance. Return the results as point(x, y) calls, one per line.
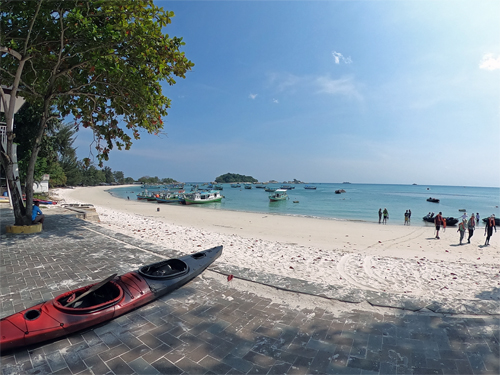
point(212, 326)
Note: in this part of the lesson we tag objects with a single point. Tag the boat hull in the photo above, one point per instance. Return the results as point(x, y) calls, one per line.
point(196, 201)
point(450, 221)
point(53, 319)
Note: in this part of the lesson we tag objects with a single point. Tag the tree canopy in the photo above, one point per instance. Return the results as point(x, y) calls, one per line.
point(100, 62)
point(234, 177)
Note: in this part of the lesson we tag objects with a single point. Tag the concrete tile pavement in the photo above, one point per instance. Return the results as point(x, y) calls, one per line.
point(212, 326)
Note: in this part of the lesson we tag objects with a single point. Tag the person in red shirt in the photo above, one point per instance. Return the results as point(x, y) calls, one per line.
point(488, 229)
point(438, 221)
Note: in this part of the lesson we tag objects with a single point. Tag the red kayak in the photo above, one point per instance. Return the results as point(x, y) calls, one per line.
point(97, 303)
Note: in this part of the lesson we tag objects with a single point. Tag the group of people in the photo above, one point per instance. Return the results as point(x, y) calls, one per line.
point(469, 225)
point(407, 217)
point(384, 214)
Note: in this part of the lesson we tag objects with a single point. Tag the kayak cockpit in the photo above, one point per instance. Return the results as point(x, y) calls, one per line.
point(166, 269)
point(105, 296)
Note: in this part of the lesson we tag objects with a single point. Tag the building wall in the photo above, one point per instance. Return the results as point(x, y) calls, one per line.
point(41, 187)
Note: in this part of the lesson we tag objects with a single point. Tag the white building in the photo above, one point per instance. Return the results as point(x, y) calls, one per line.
point(43, 185)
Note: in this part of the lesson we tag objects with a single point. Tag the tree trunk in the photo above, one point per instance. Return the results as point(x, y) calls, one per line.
point(31, 165)
point(20, 217)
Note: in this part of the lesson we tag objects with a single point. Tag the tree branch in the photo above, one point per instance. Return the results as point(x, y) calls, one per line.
point(11, 52)
point(30, 29)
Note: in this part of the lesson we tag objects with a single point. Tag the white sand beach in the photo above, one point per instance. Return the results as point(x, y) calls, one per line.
point(390, 258)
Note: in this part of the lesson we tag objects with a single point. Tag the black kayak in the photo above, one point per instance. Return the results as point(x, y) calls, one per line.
point(497, 220)
point(450, 221)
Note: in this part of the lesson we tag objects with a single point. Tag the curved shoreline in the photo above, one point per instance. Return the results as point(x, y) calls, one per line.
point(418, 223)
point(334, 255)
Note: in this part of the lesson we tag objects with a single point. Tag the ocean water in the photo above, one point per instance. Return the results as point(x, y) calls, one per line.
point(360, 202)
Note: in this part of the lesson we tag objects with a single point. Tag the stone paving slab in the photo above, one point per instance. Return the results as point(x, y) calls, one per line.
point(211, 327)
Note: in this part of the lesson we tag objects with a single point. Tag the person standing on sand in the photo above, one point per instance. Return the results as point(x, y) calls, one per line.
point(379, 215)
point(438, 221)
point(406, 217)
point(386, 215)
point(477, 218)
point(461, 229)
point(488, 229)
point(409, 216)
point(471, 225)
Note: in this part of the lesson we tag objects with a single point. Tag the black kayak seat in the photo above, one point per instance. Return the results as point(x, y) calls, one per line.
point(166, 269)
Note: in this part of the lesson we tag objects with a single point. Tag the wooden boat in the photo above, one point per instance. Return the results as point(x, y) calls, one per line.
point(433, 200)
point(169, 197)
point(450, 221)
point(278, 195)
point(248, 186)
point(143, 196)
point(94, 304)
point(310, 187)
point(235, 185)
point(340, 191)
point(270, 189)
point(287, 187)
point(203, 197)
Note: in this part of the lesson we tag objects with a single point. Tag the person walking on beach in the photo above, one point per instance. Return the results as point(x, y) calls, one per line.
point(471, 225)
point(477, 218)
point(488, 229)
point(379, 215)
point(386, 215)
point(409, 216)
point(461, 229)
point(438, 221)
point(406, 218)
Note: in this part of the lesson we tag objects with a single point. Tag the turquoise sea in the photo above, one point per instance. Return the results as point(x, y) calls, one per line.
point(360, 202)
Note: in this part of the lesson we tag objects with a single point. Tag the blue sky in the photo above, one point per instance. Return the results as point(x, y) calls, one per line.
point(330, 91)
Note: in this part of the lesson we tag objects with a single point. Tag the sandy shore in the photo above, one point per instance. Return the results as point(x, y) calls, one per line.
point(390, 258)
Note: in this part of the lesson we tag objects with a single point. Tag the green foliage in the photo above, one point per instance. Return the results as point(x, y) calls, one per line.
point(72, 171)
point(129, 180)
point(119, 177)
point(57, 156)
point(234, 177)
point(108, 174)
point(57, 175)
point(92, 176)
point(155, 180)
point(100, 61)
point(168, 181)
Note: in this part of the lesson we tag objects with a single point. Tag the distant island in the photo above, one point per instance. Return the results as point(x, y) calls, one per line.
point(234, 177)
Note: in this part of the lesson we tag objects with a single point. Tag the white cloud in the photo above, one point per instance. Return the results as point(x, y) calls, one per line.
point(338, 57)
point(252, 96)
point(343, 86)
point(275, 101)
point(292, 84)
point(489, 62)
